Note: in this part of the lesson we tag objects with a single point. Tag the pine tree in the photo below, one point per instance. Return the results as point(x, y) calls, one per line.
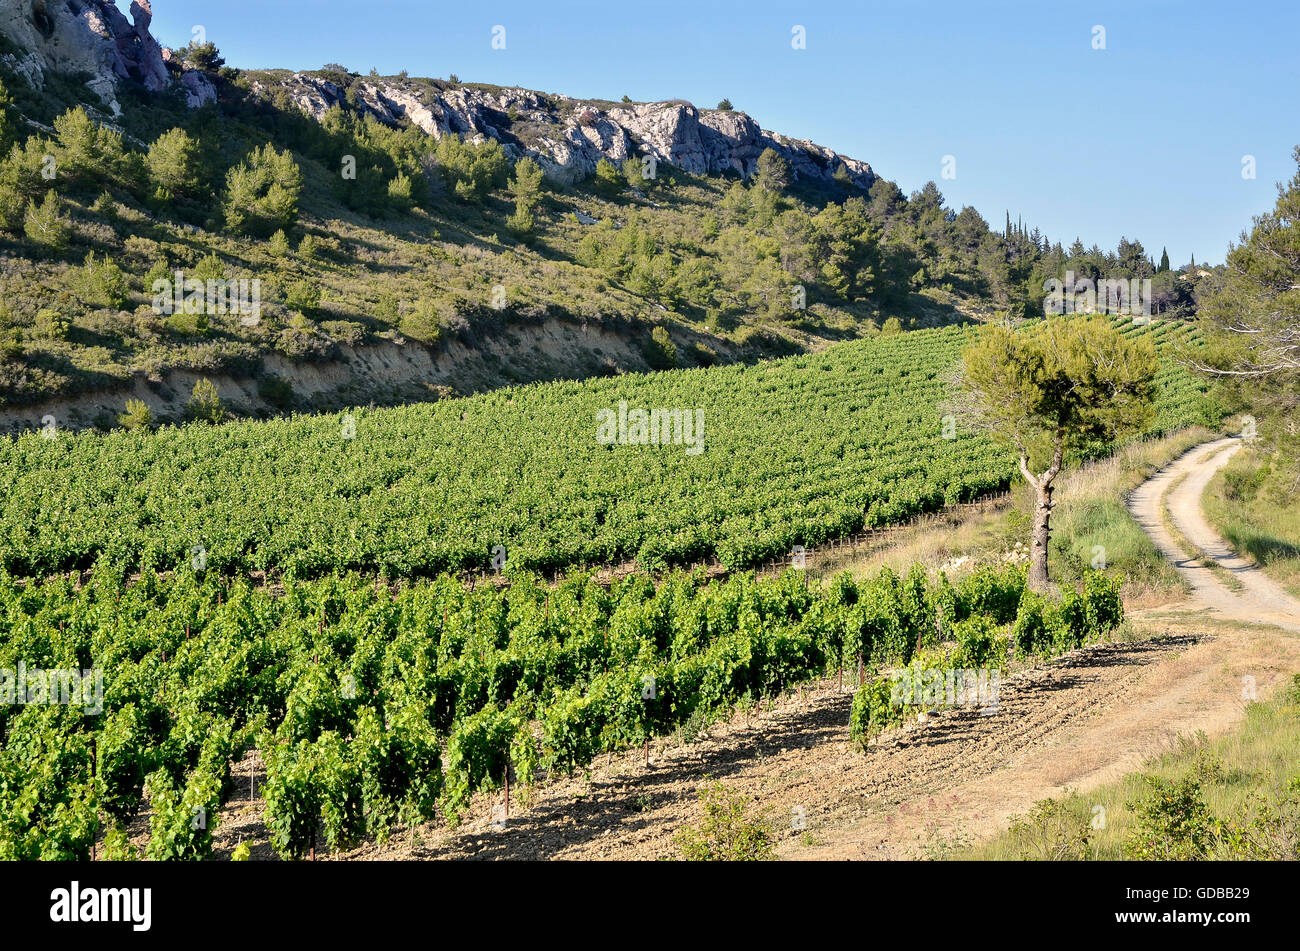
point(1164, 260)
point(1252, 318)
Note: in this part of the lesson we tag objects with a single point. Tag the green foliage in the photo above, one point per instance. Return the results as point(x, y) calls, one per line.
point(634, 172)
point(479, 749)
point(51, 324)
point(278, 245)
point(173, 166)
point(660, 351)
point(471, 170)
point(136, 416)
point(182, 820)
point(526, 185)
point(277, 391)
point(422, 323)
point(205, 403)
point(608, 178)
point(772, 171)
point(726, 834)
point(89, 154)
point(204, 56)
point(1062, 384)
point(102, 283)
point(750, 445)
point(1250, 318)
point(1053, 831)
point(1174, 822)
point(303, 296)
point(522, 221)
point(724, 105)
point(45, 224)
point(262, 192)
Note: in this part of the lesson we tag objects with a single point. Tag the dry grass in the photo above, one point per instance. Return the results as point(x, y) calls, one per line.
point(1090, 511)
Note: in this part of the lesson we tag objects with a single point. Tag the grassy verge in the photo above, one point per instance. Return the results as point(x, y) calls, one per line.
point(1090, 520)
point(1252, 508)
point(1234, 797)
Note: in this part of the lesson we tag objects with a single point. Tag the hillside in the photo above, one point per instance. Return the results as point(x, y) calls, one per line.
point(757, 459)
point(412, 238)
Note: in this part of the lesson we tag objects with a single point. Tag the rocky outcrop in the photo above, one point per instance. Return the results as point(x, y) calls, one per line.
point(92, 37)
point(569, 136)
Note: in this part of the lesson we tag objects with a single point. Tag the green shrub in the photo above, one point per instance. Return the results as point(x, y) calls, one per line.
point(137, 415)
point(102, 283)
point(45, 224)
point(278, 245)
point(205, 403)
point(262, 193)
point(479, 753)
point(873, 710)
point(277, 391)
point(1055, 830)
point(303, 296)
point(978, 642)
point(726, 833)
point(660, 351)
point(51, 325)
point(422, 323)
point(1174, 822)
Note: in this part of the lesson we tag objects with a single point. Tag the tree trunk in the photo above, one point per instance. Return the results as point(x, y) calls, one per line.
point(1042, 485)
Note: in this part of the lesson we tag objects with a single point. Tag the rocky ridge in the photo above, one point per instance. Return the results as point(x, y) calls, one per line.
point(94, 37)
point(569, 136)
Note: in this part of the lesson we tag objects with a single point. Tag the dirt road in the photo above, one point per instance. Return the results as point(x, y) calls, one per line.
point(1176, 491)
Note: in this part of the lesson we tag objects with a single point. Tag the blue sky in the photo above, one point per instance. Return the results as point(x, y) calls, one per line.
point(1145, 138)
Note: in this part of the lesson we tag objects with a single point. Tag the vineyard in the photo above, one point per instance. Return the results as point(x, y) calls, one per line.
point(373, 707)
point(378, 688)
point(798, 451)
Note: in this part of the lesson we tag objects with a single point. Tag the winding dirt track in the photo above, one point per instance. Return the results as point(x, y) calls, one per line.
point(1177, 489)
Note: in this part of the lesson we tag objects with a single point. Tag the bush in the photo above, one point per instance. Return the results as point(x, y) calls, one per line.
point(1054, 831)
point(102, 283)
point(303, 296)
point(278, 245)
point(137, 415)
point(1174, 822)
point(479, 753)
point(51, 325)
point(608, 178)
point(262, 193)
point(660, 351)
point(205, 403)
point(1036, 625)
point(873, 710)
point(45, 224)
point(277, 391)
point(173, 165)
point(422, 324)
point(726, 834)
point(995, 592)
point(978, 642)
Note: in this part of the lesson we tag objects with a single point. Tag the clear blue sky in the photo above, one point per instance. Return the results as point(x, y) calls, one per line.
point(1143, 139)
